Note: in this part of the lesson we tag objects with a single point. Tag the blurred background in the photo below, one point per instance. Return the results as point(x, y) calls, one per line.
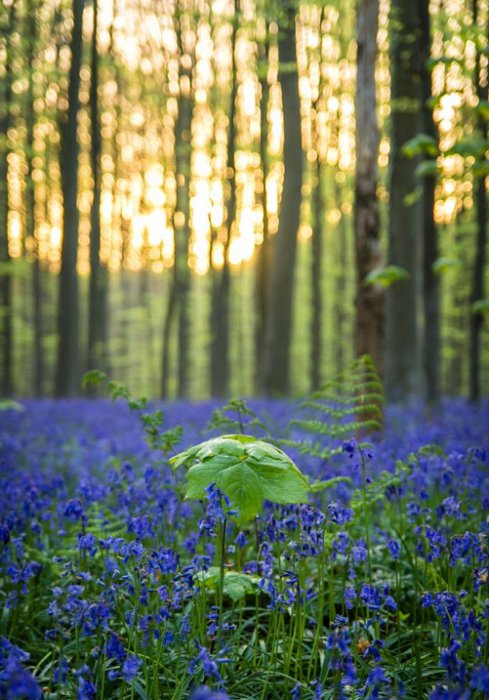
point(237, 197)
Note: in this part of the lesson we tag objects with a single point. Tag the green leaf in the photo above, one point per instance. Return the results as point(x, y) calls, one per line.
point(329, 483)
point(246, 470)
point(235, 585)
point(442, 265)
point(475, 146)
point(420, 144)
point(427, 168)
point(10, 405)
point(385, 276)
point(93, 378)
point(481, 307)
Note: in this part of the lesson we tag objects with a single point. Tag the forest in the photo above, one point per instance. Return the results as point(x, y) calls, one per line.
point(238, 198)
point(244, 357)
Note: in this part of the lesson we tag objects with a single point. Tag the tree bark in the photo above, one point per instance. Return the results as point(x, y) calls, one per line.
point(222, 282)
point(262, 265)
point(183, 139)
point(316, 276)
point(30, 228)
point(279, 315)
point(477, 292)
point(429, 233)
point(67, 374)
point(369, 320)
point(6, 333)
point(97, 311)
point(402, 332)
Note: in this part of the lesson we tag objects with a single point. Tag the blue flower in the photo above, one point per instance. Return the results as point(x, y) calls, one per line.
point(130, 667)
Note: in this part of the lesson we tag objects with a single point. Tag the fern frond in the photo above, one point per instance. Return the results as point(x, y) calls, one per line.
point(350, 404)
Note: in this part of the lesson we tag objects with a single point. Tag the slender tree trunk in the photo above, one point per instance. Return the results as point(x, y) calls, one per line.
point(316, 276)
point(222, 283)
point(183, 144)
point(402, 333)
point(431, 287)
point(67, 376)
point(31, 30)
point(477, 293)
point(262, 265)
point(97, 306)
point(179, 291)
point(340, 289)
point(6, 334)
point(279, 315)
point(369, 321)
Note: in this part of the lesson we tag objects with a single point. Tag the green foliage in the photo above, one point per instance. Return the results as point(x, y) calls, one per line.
point(235, 584)
point(474, 146)
point(156, 437)
point(351, 403)
point(481, 307)
point(10, 405)
point(385, 276)
point(235, 417)
point(444, 264)
point(246, 470)
point(421, 144)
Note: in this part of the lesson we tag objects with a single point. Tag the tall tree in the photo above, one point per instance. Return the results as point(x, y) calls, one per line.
point(6, 336)
point(402, 332)
point(222, 282)
point(429, 233)
point(279, 315)
point(318, 210)
point(477, 291)
point(31, 233)
point(97, 303)
point(262, 264)
point(369, 321)
point(67, 377)
point(178, 297)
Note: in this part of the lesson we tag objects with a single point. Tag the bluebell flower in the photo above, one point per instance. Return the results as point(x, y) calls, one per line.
point(115, 648)
point(86, 689)
point(74, 509)
point(130, 667)
point(206, 693)
point(479, 679)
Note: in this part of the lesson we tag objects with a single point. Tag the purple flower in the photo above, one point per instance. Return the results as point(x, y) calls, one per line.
point(206, 693)
point(74, 509)
point(130, 667)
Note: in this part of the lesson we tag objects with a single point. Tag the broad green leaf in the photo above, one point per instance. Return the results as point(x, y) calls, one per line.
point(236, 585)
point(246, 470)
point(385, 276)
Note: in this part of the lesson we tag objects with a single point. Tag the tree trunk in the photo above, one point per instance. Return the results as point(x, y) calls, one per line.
point(97, 307)
point(431, 287)
point(369, 321)
point(6, 335)
point(279, 315)
point(477, 293)
point(222, 283)
point(183, 145)
point(316, 275)
point(30, 227)
point(262, 265)
point(67, 375)
point(402, 335)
